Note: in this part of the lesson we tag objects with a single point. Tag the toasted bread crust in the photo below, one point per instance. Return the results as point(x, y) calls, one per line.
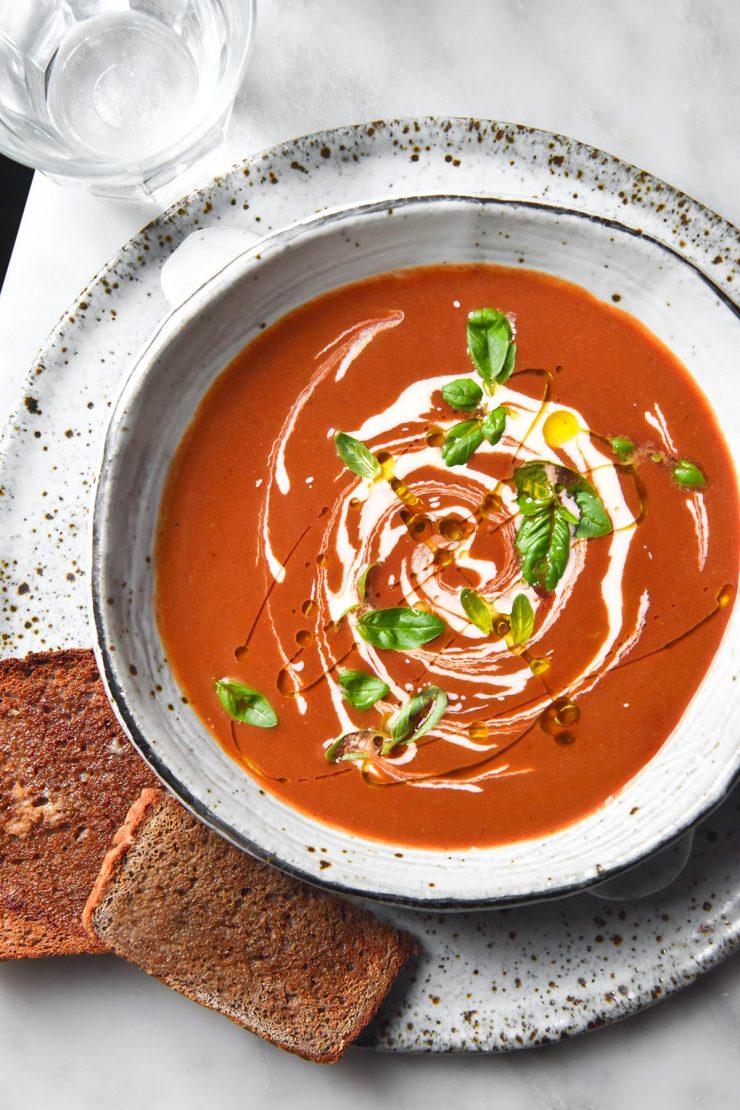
point(67, 777)
point(115, 856)
point(304, 969)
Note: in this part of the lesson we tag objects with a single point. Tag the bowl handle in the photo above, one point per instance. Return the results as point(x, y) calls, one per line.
point(650, 876)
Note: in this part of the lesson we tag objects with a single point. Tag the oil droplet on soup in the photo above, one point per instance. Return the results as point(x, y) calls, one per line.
point(560, 427)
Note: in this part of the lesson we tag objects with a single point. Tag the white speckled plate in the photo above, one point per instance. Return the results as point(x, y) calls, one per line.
point(495, 980)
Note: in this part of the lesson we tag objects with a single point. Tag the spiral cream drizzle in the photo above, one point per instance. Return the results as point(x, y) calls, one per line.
point(483, 671)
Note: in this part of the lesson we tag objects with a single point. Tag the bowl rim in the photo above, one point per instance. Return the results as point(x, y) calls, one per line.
point(218, 284)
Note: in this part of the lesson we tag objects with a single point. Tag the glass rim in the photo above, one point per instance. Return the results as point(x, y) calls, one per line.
point(121, 172)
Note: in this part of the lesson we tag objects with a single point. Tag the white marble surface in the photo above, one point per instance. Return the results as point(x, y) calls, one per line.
point(656, 83)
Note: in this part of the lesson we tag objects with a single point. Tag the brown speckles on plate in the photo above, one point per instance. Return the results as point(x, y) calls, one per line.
point(439, 1004)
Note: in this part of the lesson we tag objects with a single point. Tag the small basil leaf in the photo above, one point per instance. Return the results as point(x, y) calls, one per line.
point(461, 442)
point(477, 610)
point(361, 689)
point(543, 541)
point(688, 475)
point(463, 394)
point(494, 424)
point(355, 456)
point(622, 447)
point(245, 704)
point(522, 620)
point(362, 581)
point(534, 489)
point(594, 519)
point(509, 362)
point(431, 702)
point(490, 344)
point(499, 344)
point(360, 587)
point(399, 629)
point(478, 322)
point(355, 746)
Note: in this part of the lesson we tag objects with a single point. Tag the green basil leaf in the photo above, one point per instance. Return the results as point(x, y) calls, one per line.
point(543, 541)
point(594, 519)
point(431, 702)
point(489, 344)
point(355, 456)
point(399, 629)
point(355, 746)
point(688, 475)
point(509, 362)
point(522, 620)
point(362, 689)
point(245, 704)
point(622, 447)
point(477, 610)
point(534, 489)
point(362, 581)
point(461, 442)
point(568, 515)
point(463, 394)
point(478, 322)
point(360, 587)
point(494, 424)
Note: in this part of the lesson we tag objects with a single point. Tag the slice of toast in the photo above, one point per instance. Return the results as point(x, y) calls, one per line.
point(299, 967)
point(68, 775)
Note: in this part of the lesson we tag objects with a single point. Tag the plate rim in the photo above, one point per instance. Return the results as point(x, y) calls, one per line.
point(201, 191)
point(689, 957)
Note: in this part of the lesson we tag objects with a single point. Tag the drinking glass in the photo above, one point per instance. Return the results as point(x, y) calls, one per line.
point(120, 95)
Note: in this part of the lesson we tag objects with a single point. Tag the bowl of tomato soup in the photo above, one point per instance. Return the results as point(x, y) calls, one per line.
point(416, 550)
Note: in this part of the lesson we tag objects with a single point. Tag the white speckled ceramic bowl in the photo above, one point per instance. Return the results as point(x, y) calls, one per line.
point(695, 767)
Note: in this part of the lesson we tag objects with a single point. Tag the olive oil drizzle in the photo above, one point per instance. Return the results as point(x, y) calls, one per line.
point(419, 524)
point(724, 597)
point(255, 768)
point(560, 716)
point(626, 468)
point(417, 515)
point(243, 648)
point(558, 720)
point(544, 402)
point(315, 681)
point(641, 489)
point(465, 772)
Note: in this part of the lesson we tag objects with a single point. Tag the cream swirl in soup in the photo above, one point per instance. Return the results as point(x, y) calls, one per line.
point(463, 532)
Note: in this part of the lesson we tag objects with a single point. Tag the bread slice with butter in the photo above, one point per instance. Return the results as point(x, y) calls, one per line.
point(293, 964)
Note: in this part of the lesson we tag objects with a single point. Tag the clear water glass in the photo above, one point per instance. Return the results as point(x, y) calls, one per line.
point(120, 95)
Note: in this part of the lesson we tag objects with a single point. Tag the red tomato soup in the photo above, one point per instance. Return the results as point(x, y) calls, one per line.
point(548, 512)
